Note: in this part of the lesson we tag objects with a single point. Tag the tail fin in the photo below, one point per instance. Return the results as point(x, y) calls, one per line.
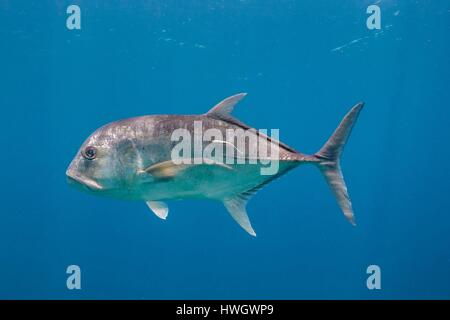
point(328, 159)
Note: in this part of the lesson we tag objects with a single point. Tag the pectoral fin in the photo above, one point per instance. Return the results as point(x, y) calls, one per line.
point(236, 207)
point(159, 208)
point(169, 169)
point(166, 169)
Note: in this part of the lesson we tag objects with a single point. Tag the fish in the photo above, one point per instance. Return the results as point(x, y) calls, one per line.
point(133, 159)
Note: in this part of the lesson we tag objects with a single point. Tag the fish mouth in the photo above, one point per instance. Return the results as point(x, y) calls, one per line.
point(89, 183)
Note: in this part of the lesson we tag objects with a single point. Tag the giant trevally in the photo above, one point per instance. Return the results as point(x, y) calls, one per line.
point(134, 159)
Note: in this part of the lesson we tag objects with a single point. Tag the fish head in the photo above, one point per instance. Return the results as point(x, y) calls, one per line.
point(105, 162)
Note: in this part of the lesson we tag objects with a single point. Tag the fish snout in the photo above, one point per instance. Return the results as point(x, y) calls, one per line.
point(77, 179)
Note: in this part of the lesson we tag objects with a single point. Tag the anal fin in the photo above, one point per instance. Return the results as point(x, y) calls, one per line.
point(236, 207)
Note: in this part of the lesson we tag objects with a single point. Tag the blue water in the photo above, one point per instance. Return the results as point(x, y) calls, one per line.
point(172, 57)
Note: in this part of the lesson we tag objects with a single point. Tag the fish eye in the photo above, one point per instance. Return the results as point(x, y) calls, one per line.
point(89, 153)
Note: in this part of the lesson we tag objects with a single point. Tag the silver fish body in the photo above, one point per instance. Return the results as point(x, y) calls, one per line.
point(133, 159)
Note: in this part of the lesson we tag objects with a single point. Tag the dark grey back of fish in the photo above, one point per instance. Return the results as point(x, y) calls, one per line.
point(152, 135)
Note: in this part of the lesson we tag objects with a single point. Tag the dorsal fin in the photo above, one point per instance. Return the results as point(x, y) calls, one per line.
point(224, 108)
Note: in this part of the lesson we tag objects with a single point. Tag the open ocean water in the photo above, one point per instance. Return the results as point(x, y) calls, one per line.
point(303, 65)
